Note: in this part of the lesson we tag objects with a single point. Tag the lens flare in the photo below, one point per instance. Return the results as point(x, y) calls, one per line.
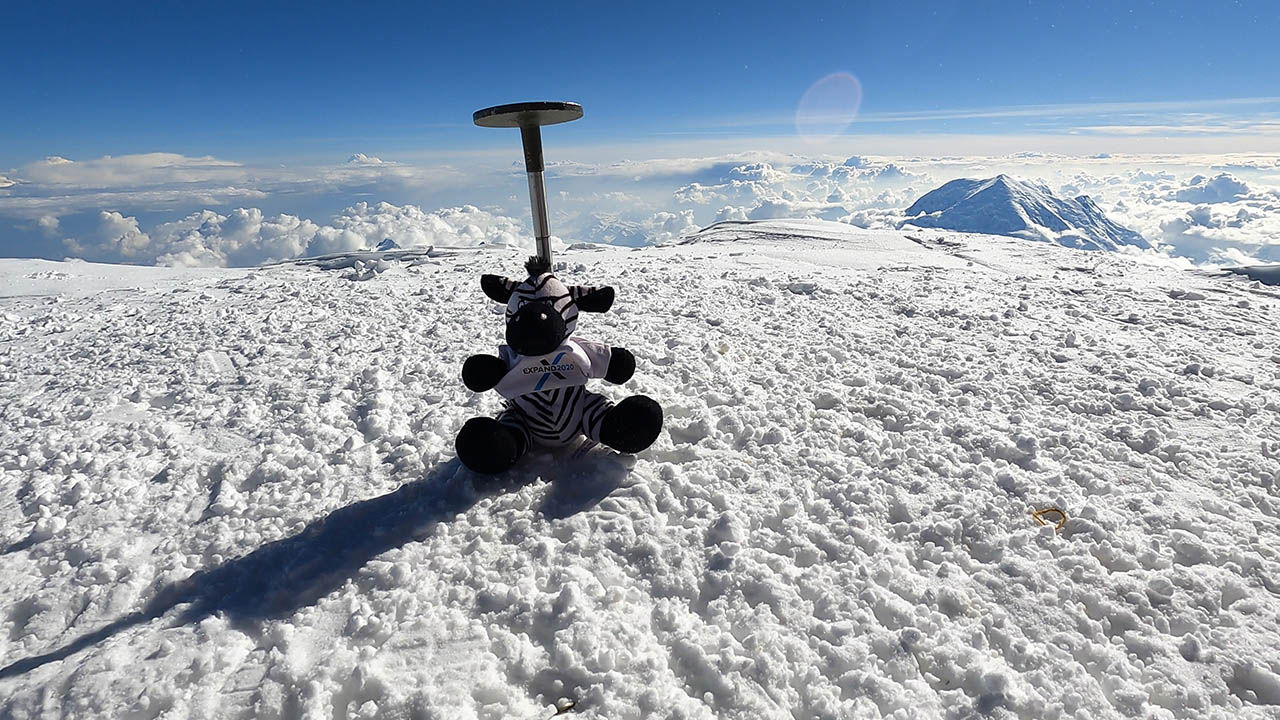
point(828, 107)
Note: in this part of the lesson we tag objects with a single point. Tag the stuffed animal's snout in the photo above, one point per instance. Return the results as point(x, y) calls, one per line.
point(536, 329)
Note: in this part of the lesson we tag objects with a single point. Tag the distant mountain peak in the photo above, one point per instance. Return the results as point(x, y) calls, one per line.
point(1005, 205)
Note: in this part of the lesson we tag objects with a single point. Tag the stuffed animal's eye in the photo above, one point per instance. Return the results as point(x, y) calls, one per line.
point(542, 316)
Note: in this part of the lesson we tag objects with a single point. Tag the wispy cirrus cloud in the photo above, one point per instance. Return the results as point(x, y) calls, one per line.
point(141, 170)
point(1065, 110)
point(1240, 118)
point(1056, 110)
point(167, 181)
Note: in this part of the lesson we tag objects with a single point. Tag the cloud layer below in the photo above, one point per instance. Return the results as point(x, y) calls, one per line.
point(246, 236)
point(171, 209)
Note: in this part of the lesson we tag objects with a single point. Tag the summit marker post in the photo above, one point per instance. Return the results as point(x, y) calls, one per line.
point(529, 117)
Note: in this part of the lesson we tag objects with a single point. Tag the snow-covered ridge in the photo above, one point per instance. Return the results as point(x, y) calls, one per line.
point(232, 493)
point(1007, 206)
point(1266, 274)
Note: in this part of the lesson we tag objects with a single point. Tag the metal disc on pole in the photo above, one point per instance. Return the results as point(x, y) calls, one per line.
point(529, 117)
point(527, 113)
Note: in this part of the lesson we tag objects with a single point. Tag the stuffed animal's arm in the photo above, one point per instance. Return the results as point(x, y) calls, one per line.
point(611, 364)
point(483, 372)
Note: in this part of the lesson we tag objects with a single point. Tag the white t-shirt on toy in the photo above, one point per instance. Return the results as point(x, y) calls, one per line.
point(571, 364)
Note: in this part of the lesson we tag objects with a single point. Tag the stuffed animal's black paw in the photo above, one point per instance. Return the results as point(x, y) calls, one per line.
point(487, 446)
point(622, 365)
point(483, 372)
point(632, 425)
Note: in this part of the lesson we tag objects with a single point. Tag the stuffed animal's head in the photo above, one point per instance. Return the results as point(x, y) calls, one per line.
point(542, 311)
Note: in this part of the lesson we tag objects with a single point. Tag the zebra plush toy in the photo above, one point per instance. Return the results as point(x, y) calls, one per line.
point(542, 371)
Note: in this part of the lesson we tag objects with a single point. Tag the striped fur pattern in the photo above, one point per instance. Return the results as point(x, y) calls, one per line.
point(548, 287)
point(556, 417)
point(553, 417)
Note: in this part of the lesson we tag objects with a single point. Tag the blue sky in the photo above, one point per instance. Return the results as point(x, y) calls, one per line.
point(299, 80)
point(213, 133)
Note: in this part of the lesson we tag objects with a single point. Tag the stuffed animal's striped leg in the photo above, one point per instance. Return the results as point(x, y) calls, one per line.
point(630, 426)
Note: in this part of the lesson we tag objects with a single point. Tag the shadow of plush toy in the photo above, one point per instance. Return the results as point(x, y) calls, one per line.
point(584, 481)
point(542, 372)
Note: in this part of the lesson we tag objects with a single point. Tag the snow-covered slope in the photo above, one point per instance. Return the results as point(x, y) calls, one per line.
point(1267, 274)
point(233, 494)
point(1006, 206)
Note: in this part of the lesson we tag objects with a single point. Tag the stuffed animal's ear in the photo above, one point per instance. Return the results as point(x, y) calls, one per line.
point(497, 288)
point(592, 299)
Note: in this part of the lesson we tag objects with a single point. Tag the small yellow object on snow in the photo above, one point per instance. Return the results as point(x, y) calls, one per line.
point(1058, 523)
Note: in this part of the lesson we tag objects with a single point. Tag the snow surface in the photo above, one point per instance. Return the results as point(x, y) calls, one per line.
point(1006, 206)
point(1265, 274)
point(233, 493)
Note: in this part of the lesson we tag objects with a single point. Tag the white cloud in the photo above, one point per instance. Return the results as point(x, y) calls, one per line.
point(772, 208)
point(148, 181)
point(731, 213)
point(1257, 127)
point(168, 181)
point(625, 201)
point(1200, 189)
point(179, 199)
point(1184, 210)
point(734, 190)
point(146, 169)
point(811, 188)
point(1049, 111)
point(49, 225)
point(667, 226)
point(878, 218)
point(410, 226)
point(1216, 233)
point(890, 173)
point(115, 237)
point(755, 172)
point(239, 238)
point(247, 236)
point(658, 228)
point(683, 169)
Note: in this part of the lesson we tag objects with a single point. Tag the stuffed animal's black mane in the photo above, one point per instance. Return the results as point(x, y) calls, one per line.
point(535, 266)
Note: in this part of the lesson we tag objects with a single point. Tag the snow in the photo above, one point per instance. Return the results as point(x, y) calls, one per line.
point(1266, 274)
point(1006, 206)
point(232, 493)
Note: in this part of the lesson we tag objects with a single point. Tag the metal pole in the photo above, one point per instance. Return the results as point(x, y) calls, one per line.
point(529, 117)
point(531, 137)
